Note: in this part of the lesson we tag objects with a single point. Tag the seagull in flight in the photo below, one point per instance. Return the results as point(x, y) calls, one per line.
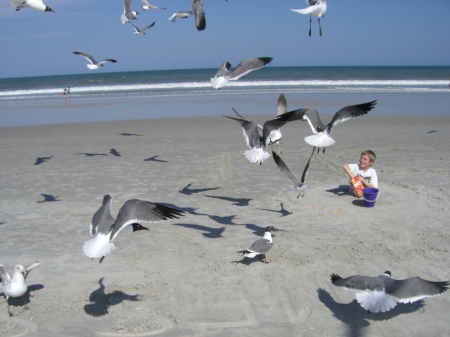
point(275, 135)
point(181, 15)
point(146, 6)
point(128, 13)
point(15, 286)
point(299, 185)
point(106, 229)
point(37, 5)
point(93, 65)
point(140, 31)
point(316, 8)
point(224, 74)
point(381, 293)
point(322, 132)
point(257, 145)
point(260, 246)
point(199, 14)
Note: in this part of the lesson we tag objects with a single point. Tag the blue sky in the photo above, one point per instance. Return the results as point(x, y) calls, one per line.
point(355, 32)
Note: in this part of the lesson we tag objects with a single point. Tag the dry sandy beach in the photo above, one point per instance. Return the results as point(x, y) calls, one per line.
point(182, 278)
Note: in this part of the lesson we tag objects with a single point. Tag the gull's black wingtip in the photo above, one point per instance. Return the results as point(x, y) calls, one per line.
point(335, 277)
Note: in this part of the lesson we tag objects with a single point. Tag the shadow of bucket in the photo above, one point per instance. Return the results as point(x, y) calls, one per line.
point(370, 196)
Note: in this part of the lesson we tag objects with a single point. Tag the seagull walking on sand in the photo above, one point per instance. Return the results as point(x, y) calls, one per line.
point(128, 13)
point(140, 31)
point(199, 14)
point(146, 6)
point(322, 132)
point(257, 145)
point(181, 15)
point(381, 293)
point(93, 65)
point(260, 246)
point(37, 5)
point(15, 286)
point(224, 74)
point(316, 8)
point(106, 229)
point(299, 185)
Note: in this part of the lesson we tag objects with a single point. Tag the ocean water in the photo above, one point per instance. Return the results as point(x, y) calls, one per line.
point(196, 81)
point(98, 96)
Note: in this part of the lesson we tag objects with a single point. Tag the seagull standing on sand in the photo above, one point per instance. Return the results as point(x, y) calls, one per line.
point(257, 145)
point(224, 74)
point(15, 286)
point(199, 14)
point(107, 228)
point(37, 5)
point(93, 63)
point(321, 137)
point(181, 15)
point(299, 185)
point(146, 6)
point(140, 31)
point(316, 8)
point(260, 246)
point(381, 293)
point(128, 13)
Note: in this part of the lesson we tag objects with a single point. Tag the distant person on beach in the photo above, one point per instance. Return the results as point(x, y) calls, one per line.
point(68, 91)
point(362, 174)
point(65, 92)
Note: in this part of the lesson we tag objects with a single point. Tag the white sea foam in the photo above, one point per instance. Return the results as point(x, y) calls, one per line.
point(204, 87)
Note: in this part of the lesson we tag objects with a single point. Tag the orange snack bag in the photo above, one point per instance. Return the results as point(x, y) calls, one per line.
point(357, 186)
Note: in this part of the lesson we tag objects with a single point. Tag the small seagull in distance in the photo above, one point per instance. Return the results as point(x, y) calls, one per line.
point(260, 246)
point(138, 31)
point(93, 65)
point(381, 293)
point(322, 132)
point(199, 14)
point(37, 5)
point(181, 15)
point(146, 6)
point(316, 8)
point(299, 185)
point(158, 160)
point(106, 228)
point(189, 191)
point(15, 286)
point(48, 198)
point(128, 13)
point(40, 160)
point(224, 74)
point(114, 152)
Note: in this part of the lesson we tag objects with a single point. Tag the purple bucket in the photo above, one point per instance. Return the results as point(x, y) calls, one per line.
point(370, 196)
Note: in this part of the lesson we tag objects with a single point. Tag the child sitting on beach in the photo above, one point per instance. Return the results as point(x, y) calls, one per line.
point(362, 172)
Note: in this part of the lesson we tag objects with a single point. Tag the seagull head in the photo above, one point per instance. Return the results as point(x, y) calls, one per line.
point(138, 227)
point(19, 269)
point(387, 273)
point(48, 9)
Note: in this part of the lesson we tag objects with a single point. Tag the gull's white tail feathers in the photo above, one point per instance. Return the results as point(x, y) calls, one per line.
point(256, 155)
point(98, 246)
point(320, 140)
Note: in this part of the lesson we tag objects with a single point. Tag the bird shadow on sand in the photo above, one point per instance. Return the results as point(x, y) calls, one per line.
point(433, 131)
point(89, 154)
point(357, 318)
point(209, 232)
point(340, 191)
point(125, 134)
point(115, 153)
point(283, 212)
point(187, 190)
point(101, 301)
point(241, 202)
point(19, 301)
point(48, 198)
point(40, 160)
point(154, 158)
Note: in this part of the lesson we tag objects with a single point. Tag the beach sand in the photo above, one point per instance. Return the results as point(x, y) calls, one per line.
point(182, 278)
